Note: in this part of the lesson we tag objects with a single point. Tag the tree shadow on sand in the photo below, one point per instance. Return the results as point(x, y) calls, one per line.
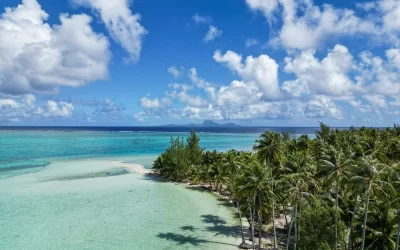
point(219, 226)
point(152, 177)
point(188, 228)
point(183, 240)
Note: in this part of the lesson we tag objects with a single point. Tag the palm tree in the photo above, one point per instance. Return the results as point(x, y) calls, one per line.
point(237, 196)
point(298, 179)
point(231, 163)
point(324, 132)
point(269, 149)
point(335, 163)
point(381, 227)
point(219, 175)
point(355, 189)
point(255, 183)
point(368, 175)
point(393, 176)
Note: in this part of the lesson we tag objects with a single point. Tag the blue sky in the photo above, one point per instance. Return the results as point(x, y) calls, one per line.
point(151, 62)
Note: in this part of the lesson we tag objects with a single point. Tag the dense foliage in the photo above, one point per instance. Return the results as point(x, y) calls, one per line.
point(339, 190)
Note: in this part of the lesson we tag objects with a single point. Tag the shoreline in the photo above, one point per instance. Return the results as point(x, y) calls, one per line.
point(127, 207)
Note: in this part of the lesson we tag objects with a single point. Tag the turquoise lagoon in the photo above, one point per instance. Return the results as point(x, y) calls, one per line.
point(81, 190)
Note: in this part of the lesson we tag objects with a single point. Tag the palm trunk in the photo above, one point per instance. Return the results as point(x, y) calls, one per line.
point(336, 211)
point(241, 223)
point(252, 223)
point(299, 226)
point(290, 228)
point(295, 228)
point(273, 216)
point(259, 221)
point(286, 219)
point(352, 222)
point(398, 230)
point(365, 218)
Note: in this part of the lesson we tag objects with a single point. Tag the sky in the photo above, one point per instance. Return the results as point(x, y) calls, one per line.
point(154, 62)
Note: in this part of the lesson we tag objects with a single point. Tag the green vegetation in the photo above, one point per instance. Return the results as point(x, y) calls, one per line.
point(340, 190)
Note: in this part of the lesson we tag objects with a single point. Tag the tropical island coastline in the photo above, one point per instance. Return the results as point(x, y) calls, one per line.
point(336, 190)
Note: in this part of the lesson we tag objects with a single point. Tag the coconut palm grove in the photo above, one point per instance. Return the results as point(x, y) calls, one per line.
point(339, 190)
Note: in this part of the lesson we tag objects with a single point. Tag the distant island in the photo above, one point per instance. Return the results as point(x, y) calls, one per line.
point(205, 124)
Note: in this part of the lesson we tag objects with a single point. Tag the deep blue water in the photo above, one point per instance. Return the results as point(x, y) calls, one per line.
point(291, 130)
point(24, 148)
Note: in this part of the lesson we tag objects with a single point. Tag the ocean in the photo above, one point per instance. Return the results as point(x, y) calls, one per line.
point(84, 188)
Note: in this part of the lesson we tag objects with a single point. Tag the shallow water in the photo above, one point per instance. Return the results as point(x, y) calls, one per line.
point(60, 191)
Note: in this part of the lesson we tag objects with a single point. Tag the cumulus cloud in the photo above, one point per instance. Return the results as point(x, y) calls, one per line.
point(35, 57)
point(325, 77)
point(155, 103)
point(238, 93)
point(262, 70)
point(55, 109)
point(123, 26)
point(376, 100)
point(25, 107)
point(180, 92)
point(380, 75)
point(212, 33)
point(306, 26)
point(108, 109)
point(391, 14)
point(322, 107)
point(266, 7)
point(202, 83)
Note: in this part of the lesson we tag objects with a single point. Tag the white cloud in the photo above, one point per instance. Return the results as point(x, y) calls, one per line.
point(262, 70)
point(265, 6)
point(306, 26)
point(393, 56)
point(25, 107)
point(376, 100)
point(180, 92)
point(201, 19)
point(108, 109)
point(391, 14)
point(201, 113)
point(319, 88)
point(35, 57)
point(322, 107)
point(56, 109)
point(380, 76)
point(326, 77)
point(148, 103)
point(155, 103)
point(123, 26)
point(251, 42)
point(9, 103)
point(191, 100)
point(366, 6)
point(175, 72)
point(238, 94)
point(201, 83)
point(212, 33)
